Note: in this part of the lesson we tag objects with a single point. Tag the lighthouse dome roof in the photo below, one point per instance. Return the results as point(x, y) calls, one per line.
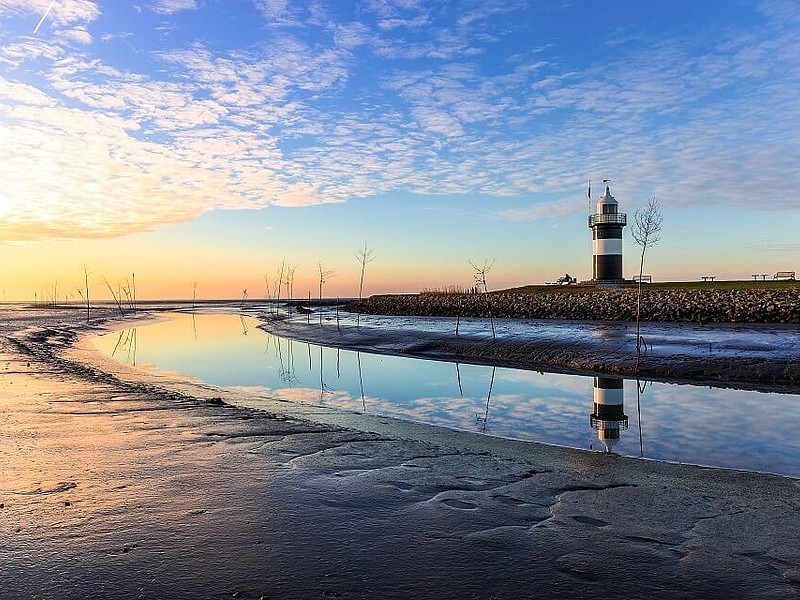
point(606, 199)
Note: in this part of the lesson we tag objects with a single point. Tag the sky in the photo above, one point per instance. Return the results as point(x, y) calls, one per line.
point(197, 145)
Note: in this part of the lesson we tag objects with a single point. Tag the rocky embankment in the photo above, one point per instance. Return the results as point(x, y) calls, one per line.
point(672, 305)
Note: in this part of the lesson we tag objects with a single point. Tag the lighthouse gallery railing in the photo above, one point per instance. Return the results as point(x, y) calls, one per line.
point(614, 218)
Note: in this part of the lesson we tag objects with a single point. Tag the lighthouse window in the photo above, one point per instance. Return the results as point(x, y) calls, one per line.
point(609, 209)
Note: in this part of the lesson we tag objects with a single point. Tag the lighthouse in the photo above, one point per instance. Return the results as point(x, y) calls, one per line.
point(606, 225)
point(609, 416)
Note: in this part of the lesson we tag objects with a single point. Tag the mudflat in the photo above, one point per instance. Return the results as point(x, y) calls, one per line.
point(120, 482)
point(765, 356)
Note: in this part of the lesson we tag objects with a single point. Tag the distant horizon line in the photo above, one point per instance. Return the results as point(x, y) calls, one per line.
point(48, 302)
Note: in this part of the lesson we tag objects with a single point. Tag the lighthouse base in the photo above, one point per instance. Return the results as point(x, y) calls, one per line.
point(606, 282)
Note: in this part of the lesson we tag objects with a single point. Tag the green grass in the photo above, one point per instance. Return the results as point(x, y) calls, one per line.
point(666, 285)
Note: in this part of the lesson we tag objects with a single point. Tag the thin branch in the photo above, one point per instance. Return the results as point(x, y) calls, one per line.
point(364, 257)
point(646, 232)
point(113, 295)
point(324, 276)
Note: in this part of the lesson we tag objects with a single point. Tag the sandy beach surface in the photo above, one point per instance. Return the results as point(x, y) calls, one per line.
point(127, 483)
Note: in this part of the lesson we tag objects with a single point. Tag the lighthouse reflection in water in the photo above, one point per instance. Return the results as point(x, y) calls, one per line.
point(609, 416)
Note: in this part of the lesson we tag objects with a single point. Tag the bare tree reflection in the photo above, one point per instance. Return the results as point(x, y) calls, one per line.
point(485, 418)
point(119, 341)
point(361, 383)
point(286, 366)
point(126, 342)
point(641, 386)
point(323, 388)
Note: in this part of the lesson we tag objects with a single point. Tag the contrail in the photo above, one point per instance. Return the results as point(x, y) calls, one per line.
point(44, 16)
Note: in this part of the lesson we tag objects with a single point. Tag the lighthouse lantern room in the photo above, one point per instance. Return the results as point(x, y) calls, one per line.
point(606, 225)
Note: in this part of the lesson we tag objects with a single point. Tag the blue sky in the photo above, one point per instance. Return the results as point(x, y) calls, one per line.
point(207, 140)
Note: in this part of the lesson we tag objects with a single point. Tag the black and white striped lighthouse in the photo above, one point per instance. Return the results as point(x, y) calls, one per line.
point(609, 416)
point(606, 225)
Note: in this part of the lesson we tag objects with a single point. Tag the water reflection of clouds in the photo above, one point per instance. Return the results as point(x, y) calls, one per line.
point(680, 423)
point(548, 382)
point(692, 424)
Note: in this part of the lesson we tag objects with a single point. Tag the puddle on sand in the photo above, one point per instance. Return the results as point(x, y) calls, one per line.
point(680, 423)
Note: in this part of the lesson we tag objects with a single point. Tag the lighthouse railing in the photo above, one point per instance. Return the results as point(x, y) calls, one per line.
point(615, 219)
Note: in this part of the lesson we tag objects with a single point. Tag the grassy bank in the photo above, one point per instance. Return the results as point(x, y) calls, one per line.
point(661, 285)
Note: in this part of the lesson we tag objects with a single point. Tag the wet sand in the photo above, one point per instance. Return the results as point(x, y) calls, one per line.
point(123, 483)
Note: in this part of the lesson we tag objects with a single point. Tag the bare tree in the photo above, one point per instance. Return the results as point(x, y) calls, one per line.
point(324, 276)
point(129, 289)
point(364, 257)
point(86, 297)
point(290, 280)
point(479, 272)
point(646, 232)
point(113, 295)
point(133, 290)
point(281, 276)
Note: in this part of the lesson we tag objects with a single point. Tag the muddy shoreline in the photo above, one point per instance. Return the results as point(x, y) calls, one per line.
point(753, 356)
point(123, 482)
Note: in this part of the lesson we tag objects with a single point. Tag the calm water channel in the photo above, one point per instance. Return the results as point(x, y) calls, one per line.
point(680, 423)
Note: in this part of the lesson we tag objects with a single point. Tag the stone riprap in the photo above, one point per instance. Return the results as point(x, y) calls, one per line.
point(692, 305)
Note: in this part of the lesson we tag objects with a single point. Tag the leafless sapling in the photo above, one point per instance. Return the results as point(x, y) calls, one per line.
point(646, 232)
point(279, 282)
point(364, 256)
point(281, 277)
point(324, 276)
point(86, 284)
point(479, 272)
point(133, 290)
point(113, 295)
point(290, 280)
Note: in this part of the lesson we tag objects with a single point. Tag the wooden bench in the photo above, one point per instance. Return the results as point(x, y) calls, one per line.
point(757, 276)
point(643, 278)
point(785, 275)
point(708, 277)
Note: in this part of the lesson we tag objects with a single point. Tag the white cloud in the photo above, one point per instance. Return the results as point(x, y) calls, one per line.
point(277, 12)
point(172, 6)
point(77, 35)
point(351, 35)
